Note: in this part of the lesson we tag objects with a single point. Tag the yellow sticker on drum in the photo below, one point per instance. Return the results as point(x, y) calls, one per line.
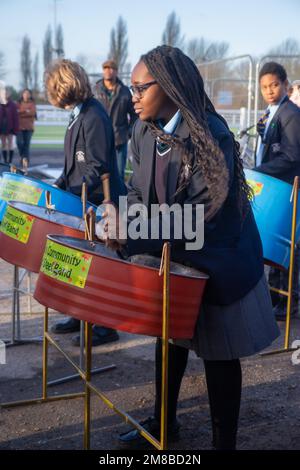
point(16, 224)
point(257, 187)
point(17, 191)
point(66, 264)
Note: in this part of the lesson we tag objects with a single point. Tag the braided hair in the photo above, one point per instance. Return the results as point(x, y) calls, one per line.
point(180, 79)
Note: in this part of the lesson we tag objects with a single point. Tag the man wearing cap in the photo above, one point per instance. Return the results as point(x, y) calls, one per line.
point(116, 99)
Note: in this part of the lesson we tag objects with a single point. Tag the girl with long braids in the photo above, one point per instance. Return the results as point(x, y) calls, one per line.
point(183, 152)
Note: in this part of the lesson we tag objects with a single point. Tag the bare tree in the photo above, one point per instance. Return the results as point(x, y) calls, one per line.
point(289, 46)
point(59, 41)
point(2, 65)
point(47, 47)
point(172, 35)
point(26, 75)
point(201, 50)
point(36, 73)
point(119, 43)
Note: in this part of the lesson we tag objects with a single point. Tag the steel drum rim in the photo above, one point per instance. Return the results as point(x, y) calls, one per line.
point(13, 204)
point(42, 183)
point(58, 239)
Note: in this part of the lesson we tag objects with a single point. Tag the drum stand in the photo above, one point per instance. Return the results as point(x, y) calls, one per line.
point(89, 220)
point(288, 293)
point(16, 338)
point(85, 373)
point(95, 371)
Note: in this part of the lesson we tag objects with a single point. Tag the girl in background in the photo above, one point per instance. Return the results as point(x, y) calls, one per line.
point(9, 125)
point(27, 115)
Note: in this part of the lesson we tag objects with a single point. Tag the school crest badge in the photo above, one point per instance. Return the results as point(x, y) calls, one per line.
point(276, 147)
point(80, 157)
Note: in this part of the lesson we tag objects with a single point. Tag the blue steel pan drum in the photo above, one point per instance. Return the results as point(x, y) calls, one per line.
point(21, 188)
point(273, 208)
point(4, 167)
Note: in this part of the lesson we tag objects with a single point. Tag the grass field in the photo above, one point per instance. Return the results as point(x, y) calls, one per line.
point(53, 133)
point(48, 133)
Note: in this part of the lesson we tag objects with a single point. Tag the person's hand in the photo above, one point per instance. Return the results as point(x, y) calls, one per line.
point(108, 229)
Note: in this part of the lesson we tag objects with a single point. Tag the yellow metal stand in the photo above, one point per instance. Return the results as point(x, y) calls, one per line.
point(86, 374)
point(288, 293)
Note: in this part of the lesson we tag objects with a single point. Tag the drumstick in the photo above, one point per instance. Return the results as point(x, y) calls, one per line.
point(106, 188)
point(92, 221)
point(84, 215)
point(48, 199)
point(83, 197)
point(25, 166)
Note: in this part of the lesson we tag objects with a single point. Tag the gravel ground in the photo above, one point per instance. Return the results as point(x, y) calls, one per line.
point(270, 413)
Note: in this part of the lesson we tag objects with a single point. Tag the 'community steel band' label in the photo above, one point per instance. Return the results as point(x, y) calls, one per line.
point(66, 264)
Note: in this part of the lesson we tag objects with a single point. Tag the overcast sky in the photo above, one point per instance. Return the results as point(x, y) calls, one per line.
point(250, 27)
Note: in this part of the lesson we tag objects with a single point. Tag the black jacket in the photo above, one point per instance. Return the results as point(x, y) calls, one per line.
point(232, 251)
point(89, 152)
point(120, 110)
point(281, 155)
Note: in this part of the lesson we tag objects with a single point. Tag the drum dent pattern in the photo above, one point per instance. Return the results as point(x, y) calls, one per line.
point(42, 222)
point(125, 296)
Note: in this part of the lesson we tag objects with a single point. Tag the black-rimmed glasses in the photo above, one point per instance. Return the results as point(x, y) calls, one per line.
point(139, 90)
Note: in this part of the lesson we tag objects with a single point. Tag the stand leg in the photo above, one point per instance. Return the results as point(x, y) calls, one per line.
point(45, 354)
point(165, 347)
point(87, 396)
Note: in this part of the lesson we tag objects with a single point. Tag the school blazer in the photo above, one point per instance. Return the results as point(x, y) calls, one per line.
point(232, 250)
point(89, 153)
point(281, 155)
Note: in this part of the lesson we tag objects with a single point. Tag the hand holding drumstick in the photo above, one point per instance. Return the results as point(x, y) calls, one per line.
point(107, 229)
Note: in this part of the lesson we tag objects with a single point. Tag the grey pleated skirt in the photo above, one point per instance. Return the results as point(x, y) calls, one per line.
point(240, 329)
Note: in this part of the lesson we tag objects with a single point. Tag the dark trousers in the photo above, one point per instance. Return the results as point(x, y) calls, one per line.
point(23, 143)
point(121, 154)
point(224, 385)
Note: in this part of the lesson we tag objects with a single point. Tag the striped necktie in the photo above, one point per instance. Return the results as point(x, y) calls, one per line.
point(261, 125)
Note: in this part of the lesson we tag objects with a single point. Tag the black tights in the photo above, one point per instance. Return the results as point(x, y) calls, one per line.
point(224, 383)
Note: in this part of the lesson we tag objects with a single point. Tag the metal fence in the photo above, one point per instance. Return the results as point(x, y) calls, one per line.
point(231, 83)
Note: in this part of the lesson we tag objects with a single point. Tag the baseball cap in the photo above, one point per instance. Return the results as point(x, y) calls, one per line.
point(110, 63)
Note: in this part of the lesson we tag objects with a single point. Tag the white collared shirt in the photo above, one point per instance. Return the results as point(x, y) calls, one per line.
point(76, 111)
point(171, 125)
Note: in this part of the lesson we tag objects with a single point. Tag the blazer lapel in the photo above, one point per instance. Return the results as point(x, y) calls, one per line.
point(75, 130)
point(272, 126)
point(147, 161)
point(272, 129)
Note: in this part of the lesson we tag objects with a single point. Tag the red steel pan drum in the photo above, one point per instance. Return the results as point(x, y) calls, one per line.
point(24, 229)
point(89, 282)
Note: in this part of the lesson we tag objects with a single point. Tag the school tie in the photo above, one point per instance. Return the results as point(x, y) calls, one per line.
point(71, 118)
point(261, 125)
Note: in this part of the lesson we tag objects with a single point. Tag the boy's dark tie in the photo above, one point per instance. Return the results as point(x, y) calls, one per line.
point(261, 125)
